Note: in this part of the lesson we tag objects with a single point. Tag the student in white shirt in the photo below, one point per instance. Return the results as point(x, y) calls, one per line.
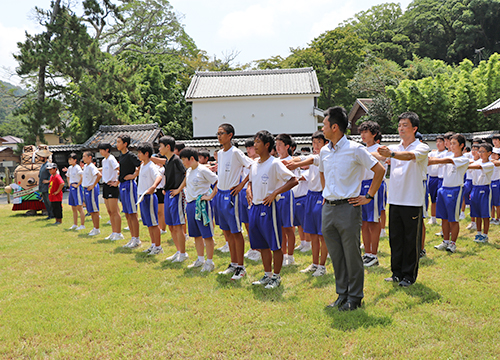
point(450, 196)
point(406, 199)
point(495, 189)
point(435, 176)
point(90, 184)
point(110, 190)
point(74, 174)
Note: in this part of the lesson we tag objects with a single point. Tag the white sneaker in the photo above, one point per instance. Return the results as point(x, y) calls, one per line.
point(311, 268)
point(432, 221)
point(224, 248)
point(274, 282)
point(306, 247)
point(471, 226)
point(155, 251)
point(328, 256)
point(320, 271)
point(230, 270)
point(208, 267)
point(254, 256)
point(362, 246)
point(186, 236)
point(163, 232)
point(94, 232)
point(262, 281)
point(301, 245)
point(442, 246)
point(197, 263)
point(127, 228)
point(383, 233)
point(73, 227)
point(109, 222)
point(494, 222)
point(462, 216)
point(289, 261)
point(118, 236)
point(439, 233)
point(180, 258)
point(81, 227)
point(148, 250)
point(451, 247)
point(110, 237)
point(247, 253)
point(135, 243)
point(172, 257)
point(239, 273)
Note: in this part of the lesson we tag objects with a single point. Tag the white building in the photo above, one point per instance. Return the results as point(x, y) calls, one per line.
point(280, 101)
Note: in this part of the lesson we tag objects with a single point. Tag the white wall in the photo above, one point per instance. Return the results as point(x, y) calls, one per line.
point(277, 114)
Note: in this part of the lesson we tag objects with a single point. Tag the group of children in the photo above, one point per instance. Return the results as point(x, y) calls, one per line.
point(268, 190)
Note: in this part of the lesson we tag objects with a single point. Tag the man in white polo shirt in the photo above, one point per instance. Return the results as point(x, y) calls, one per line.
point(406, 199)
point(342, 166)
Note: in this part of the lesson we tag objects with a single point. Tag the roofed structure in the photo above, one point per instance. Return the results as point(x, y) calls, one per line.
point(493, 108)
point(138, 133)
point(359, 109)
point(223, 84)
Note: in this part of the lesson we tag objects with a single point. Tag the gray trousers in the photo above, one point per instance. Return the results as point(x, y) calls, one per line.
point(341, 229)
point(48, 206)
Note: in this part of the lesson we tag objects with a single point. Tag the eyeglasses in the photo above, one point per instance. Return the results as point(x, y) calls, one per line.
point(220, 133)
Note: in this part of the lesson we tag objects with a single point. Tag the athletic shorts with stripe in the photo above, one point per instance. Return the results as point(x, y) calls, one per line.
point(92, 199)
point(243, 206)
point(495, 193)
point(480, 201)
point(371, 212)
point(313, 210)
point(174, 209)
point(449, 203)
point(265, 227)
point(75, 195)
point(149, 210)
point(286, 209)
point(434, 183)
point(196, 227)
point(467, 190)
point(228, 211)
point(299, 210)
point(128, 196)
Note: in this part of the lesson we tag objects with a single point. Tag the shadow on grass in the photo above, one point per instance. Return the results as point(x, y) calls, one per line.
point(422, 293)
point(426, 261)
point(353, 320)
point(263, 294)
point(193, 272)
point(290, 269)
point(103, 241)
point(225, 282)
point(141, 257)
point(323, 281)
point(122, 250)
point(166, 264)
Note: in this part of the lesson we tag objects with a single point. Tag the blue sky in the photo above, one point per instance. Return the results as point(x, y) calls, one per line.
point(257, 29)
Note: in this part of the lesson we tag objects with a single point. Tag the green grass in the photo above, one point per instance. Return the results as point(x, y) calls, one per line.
point(66, 295)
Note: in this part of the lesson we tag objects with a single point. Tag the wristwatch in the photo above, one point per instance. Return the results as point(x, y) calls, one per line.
point(392, 154)
point(368, 196)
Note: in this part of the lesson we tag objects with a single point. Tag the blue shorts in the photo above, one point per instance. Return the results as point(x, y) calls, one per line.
point(449, 203)
point(243, 206)
point(467, 190)
point(480, 201)
point(434, 183)
point(75, 195)
point(92, 199)
point(196, 227)
point(426, 206)
point(128, 196)
point(312, 216)
point(495, 193)
point(174, 209)
point(286, 209)
point(384, 199)
point(371, 211)
point(299, 211)
point(149, 210)
point(265, 227)
point(228, 211)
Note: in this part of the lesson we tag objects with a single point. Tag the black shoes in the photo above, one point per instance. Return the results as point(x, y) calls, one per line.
point(350, 305)
point(405, 283)
point(339, 302)
point(393, 278)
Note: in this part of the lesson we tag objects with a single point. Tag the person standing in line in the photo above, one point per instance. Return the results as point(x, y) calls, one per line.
point(406, 199)
point(56, 186)
point(342, 166)
point(75, 199)
point(90, 184)
point(44, 180)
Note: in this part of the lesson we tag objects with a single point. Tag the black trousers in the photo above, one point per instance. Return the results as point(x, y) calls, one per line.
point(57, 209)
point(405, 239)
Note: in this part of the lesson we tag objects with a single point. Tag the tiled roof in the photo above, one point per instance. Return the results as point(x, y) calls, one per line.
point(65, 148)
point(138, 133)
point(9, 139)
point(492, 108)
point(221, 84)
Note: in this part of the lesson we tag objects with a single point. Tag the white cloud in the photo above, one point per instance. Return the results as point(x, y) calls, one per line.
point(253, 21)
point(331, 20)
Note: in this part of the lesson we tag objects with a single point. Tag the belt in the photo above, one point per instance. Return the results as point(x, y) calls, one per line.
point(337, 202)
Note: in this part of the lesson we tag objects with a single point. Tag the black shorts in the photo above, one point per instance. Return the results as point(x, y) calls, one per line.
point(110, 192)
point(57, 209)
point(160, 196)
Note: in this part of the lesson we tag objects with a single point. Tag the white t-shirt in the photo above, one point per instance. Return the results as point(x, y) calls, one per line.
point(267, 177)
point(296, 172)
point(496, 173)
point(483, 176)
point(454, 173)
point(74, 174)
point(368, 173)
point(303, 187)
point(147, 177)
point(110, 169)
point(198, 182)
point(437, 170)
point(229, 167)
point(89, 175)
point(313, 178)
point(406, 187)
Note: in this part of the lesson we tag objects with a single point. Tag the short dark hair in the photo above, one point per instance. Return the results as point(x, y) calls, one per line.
point(337, 115)
point(249, 143)
point(88, 153)
point(449, 134)
point(293, 147)
point(104, 146)
point(496, 136)
point(204, 152)
point(73, 156)
point(125, 138)
point(168, 140)
point(440, 137)
point(378, 137)
point(370, 126)
point(266, 137)
point(475, 146)
point(467, 149)
point(145, 147)
point(179, 145)
point(478, 140)
point(306, 149)
point(410, 115)
point(319, 135)
point(460, 138)
point(287, 140)
point(187, 152)
point(486, 147)
point(228, 128)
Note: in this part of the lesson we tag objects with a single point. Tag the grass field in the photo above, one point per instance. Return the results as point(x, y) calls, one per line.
point(66, 295)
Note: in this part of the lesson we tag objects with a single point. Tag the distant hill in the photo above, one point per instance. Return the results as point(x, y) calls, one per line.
point(7, 101)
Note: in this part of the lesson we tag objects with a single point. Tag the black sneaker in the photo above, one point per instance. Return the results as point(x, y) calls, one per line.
point(423, 253)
